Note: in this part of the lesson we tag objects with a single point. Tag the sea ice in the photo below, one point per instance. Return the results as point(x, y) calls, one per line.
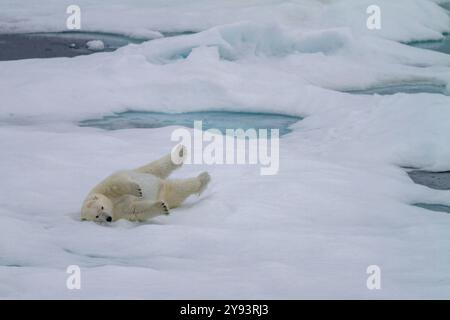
point(95, 45)
point(341, 200)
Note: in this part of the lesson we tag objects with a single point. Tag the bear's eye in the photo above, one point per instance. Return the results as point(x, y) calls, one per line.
point(103, 208)
point(96, 217)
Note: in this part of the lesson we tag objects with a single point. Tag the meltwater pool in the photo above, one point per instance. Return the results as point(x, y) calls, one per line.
point(220, 120)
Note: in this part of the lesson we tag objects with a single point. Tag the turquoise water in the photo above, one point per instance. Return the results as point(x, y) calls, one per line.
point(56, 44)
point(18, 46)
point(210, 119)
point(434, 207)
point(439, 45)
point(434, 180)
point(112, 41)
point(406, 87)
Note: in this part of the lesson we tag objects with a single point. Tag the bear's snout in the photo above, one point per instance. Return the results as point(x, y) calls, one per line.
point(108, 218)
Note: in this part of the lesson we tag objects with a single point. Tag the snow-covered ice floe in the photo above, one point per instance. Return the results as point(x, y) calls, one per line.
point(341, 200)
point(95, 45)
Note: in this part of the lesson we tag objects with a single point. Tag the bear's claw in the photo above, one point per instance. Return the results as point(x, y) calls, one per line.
point(164, 208)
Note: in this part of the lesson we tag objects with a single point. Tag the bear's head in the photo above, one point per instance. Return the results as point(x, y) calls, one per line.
point(97, 207)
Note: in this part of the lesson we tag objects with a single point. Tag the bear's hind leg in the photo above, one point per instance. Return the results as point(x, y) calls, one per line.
point(176, 191)
point(163, 167)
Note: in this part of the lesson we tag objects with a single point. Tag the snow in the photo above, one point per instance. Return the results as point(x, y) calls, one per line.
point(340, 202)
point(95, 45)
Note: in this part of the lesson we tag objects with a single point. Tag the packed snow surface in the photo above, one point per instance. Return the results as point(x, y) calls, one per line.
point(341, 201)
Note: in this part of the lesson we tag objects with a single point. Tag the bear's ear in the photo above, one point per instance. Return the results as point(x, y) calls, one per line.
point(89, 203)
point(92, 199)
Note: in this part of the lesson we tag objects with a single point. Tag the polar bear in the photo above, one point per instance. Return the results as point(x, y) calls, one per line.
point(142, 193)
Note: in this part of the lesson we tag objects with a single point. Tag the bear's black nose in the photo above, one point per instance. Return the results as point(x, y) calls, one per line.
point(109, 219)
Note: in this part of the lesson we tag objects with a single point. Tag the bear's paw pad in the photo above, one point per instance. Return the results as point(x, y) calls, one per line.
point(163, 207)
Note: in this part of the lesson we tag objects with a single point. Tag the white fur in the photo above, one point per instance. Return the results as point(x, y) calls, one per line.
point(141, 193)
